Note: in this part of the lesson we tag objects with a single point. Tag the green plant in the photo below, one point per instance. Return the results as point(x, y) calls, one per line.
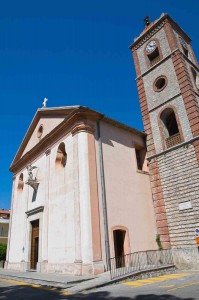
point(158, 241)
point(3, 248)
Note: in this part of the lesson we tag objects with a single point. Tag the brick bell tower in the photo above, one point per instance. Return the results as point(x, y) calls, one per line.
point(168, 87)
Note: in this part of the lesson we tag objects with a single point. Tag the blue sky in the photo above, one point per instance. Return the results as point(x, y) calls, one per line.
point(72, 52)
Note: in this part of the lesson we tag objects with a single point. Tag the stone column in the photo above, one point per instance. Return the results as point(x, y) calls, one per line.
point(85, 208)
point(78, 254)
point(45, 227)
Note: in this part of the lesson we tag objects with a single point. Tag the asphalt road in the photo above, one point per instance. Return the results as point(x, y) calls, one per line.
point(184, 285)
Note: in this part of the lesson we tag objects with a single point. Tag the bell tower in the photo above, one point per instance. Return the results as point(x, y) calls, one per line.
point(168, 87)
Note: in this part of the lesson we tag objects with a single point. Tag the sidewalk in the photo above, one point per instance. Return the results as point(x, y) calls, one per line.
point(46, 279)
point(75, 284)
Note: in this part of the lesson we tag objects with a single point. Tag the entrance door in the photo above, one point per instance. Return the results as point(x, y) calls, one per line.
point(34, 245)
point(119, 237)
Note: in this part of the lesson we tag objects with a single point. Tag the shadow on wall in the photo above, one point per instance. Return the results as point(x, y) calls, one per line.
point(23, 292)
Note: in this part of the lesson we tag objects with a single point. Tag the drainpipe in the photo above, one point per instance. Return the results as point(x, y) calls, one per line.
point(107, 245)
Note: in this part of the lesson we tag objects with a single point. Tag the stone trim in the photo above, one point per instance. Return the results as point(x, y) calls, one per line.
point(136, 63)
point(34, 211)
point(170, 37)
point(145, 116)
point(196, 147)
point(159, 205)
point(165, 59)
point(187, 91)
point(94, 201)
point(173, 148)
point(162, 88)
point(155, 28)
point(149, 33)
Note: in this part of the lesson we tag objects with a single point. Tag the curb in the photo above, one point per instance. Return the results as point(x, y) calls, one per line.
point(121, 278)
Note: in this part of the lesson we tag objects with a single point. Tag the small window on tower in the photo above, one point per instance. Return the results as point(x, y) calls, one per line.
point(152, 52)
point(154, 57)
point(160, 83)
point(195, 77)
point(184, 46)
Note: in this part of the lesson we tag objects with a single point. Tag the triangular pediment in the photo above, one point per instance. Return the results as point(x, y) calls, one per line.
point(43, 123)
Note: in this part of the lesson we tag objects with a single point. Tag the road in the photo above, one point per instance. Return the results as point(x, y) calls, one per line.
point(182, 285)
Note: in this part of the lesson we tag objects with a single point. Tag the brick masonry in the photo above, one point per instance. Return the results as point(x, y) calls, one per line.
point(180, 183)
point(174, 174)
point(187, 91)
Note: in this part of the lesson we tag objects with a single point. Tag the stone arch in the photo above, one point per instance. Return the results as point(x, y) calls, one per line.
point(169, 126)
point(120, 243)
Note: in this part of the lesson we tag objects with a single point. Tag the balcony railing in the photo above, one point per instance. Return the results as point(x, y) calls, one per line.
point(173, 140)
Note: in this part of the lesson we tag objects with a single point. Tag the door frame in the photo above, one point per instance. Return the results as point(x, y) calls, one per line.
point(33, 215)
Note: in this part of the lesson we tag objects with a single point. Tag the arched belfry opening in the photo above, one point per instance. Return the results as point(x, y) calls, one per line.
point(20, 183)
point(170, 127)
point(61, 156)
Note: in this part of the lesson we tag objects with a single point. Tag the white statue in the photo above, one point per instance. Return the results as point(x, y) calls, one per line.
point(44, 103)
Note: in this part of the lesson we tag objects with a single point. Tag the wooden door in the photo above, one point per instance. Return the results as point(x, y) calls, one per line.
point(34, 245)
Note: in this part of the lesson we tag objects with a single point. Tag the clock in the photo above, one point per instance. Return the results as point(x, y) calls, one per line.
point(183, 43)
point(151, 46)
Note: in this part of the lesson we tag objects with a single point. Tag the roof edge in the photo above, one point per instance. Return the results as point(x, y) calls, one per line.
point(163, 17)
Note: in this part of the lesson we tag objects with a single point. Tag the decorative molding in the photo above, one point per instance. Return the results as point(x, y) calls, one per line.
point(155, 28)
point(82, 127)
point(35, 211)
point(146, 36)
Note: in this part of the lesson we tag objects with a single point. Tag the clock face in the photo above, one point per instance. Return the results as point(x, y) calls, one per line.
point(151, 46)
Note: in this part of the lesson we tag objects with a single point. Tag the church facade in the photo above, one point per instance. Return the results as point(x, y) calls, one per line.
point(86, 187)
point(78, 177)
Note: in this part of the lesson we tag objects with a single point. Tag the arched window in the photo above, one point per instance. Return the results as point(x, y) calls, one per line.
point(20, 183)
point(61, 156)
point(170, 128)
point(195, 77)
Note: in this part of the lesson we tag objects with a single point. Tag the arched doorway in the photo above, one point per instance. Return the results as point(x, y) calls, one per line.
point(119, 236)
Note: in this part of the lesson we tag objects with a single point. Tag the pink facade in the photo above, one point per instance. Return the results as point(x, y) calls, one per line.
point(92, 197)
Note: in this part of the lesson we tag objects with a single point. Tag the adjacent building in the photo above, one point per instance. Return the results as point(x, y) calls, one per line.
point(4, 225)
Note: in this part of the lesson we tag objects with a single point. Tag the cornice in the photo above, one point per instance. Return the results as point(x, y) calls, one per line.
point(154, 29)
point(82, 127)
point(35, 211)
point(77, 121)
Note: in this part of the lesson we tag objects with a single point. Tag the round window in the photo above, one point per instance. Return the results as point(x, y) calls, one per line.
point(40, 131)
point(160, 83)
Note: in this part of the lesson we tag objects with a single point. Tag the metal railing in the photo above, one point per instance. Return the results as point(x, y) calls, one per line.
point(139, 261)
